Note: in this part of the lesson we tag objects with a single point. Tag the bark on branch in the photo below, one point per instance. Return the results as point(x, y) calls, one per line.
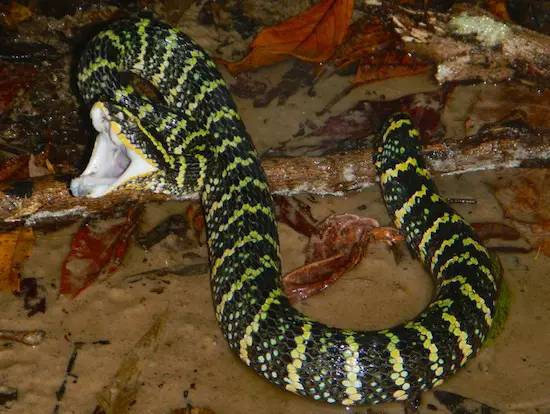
point(48, 199)
point(472, 45)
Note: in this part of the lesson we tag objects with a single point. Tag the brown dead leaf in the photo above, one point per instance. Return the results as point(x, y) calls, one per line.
point(498, 8)
point(488, 230)
point(389, 65)
point(365, 37)
point(196, 220)
point(96, 251)
point(372, 47)
point(538, 235)
point(527, 197)
point(15, 247)
point(39, 167)
point(120, 394)
point(13, 14)
point(544, 246)
point(313, 35)
point(505, 102)
point(526, 200)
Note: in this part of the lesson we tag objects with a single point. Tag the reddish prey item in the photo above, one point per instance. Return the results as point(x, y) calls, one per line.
point(338, 244)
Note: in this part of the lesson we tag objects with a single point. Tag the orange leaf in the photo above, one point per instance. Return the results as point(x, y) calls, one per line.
point(391, 65)
point(526, 196)
point(196, 220)
point(16, 247)
point(543, 245)
point(95, 252)
point(313, 35)
point(365, 37)
point(13, 14)
point(498, 8)
point(525, 199)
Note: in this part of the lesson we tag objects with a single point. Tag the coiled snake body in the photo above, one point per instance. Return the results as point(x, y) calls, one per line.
point(195, 141)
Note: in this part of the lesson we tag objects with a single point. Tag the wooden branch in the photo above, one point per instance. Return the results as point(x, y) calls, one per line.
point(353, 170)
point(472, 45)
point(47, 199)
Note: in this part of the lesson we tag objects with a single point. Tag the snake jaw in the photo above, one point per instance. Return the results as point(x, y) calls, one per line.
point(114, 161)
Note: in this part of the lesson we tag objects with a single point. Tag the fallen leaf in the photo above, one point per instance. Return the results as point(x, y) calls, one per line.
point(425, 109)
point(354, 123)
point(369, 45)
point(538, 235)
point(354, 127)
point(313, 35)
point(247, 88)
point(15, 247)
point(389, 65)
point(365, 37)
point(96, 251)
point(526, 196)
point(120, 394)
point(299, 75)
point(13, 14)
point(39, 167)
point(195, 218)
point(498, 8)
point(487, 231)
point(14, 79)
point(199, 267)
point(494, 104)
point(525, 199)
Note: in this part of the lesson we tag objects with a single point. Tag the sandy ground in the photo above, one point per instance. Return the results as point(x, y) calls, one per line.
point(193, 364)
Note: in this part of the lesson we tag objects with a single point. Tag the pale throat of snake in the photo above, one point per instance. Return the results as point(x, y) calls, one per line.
point(114, 160)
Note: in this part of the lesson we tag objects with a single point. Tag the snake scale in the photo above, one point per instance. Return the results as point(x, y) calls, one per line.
point(194, 141)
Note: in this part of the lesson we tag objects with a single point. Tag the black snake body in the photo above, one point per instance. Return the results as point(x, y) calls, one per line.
point(195, 141)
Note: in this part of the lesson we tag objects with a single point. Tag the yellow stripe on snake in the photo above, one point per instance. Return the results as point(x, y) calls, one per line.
point(195, 141)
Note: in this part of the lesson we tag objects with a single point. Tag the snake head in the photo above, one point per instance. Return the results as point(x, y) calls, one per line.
point(118, 160)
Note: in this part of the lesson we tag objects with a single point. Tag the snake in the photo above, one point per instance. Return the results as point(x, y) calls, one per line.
point(191, 140)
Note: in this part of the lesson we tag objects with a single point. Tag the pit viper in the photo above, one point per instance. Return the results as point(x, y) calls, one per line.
point(193, 140)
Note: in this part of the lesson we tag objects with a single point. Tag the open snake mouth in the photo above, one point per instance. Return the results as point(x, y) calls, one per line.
point(114, 160)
